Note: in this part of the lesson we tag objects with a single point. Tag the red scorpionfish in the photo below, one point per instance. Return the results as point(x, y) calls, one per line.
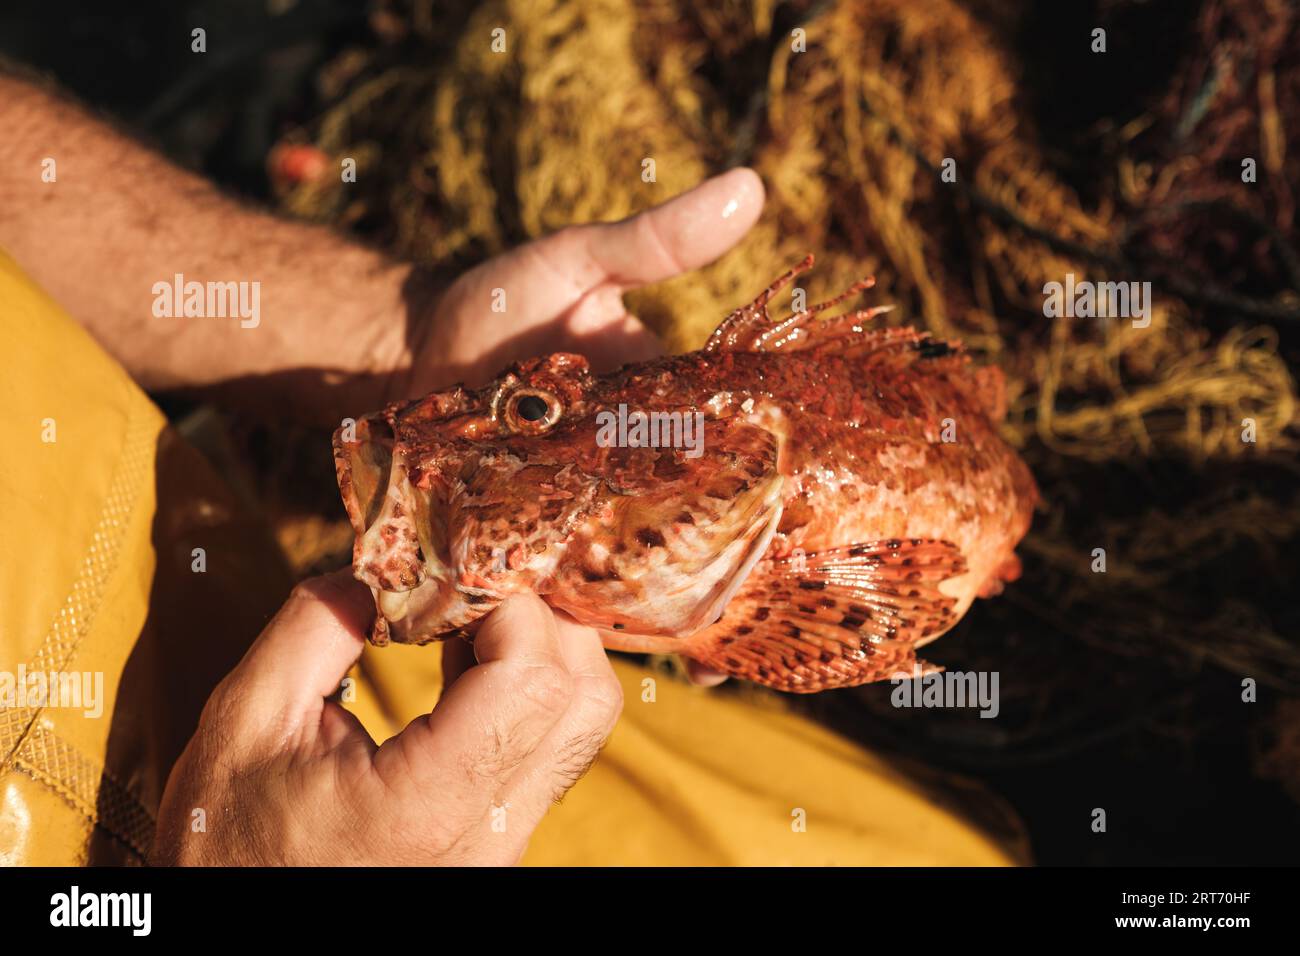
point(801, 503)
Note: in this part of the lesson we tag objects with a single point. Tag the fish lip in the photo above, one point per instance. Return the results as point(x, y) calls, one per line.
point(416, 586)
point(371, 474)
point(359, 474)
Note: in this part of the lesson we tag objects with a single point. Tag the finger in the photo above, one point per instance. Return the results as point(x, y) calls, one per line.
point(300, 658)
point(490, 719)
point(543, 318)
point(457, 658)
point(702, 675)
point(564, 292)
point(574, 743)
point(685, 233)
point(551, 275)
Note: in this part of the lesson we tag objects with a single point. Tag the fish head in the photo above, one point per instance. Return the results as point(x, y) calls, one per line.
point(632, 516)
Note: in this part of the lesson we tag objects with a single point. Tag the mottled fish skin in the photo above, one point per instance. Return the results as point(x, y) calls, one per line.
point(825, 531)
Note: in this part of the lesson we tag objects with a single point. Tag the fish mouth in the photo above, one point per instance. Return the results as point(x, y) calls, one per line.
point(656, 554)
point(401, 546)
point(363, 460)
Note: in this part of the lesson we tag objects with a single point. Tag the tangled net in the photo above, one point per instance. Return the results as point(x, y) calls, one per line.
point(1136, 434)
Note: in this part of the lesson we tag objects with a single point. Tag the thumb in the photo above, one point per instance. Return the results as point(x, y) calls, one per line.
point(684, 233)
point(304, 653)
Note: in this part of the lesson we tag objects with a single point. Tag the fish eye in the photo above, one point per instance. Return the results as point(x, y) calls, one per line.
point(532, 410)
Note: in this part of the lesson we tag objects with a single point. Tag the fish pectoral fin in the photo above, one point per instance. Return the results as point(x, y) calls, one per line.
point(834, 618)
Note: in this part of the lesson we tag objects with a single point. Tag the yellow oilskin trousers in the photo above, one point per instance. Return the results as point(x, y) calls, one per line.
point(127, 563)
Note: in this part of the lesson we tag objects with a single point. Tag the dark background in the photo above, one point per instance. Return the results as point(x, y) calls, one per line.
point(1187, 773)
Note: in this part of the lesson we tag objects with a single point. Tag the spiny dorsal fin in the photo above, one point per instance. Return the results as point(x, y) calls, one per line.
point(752, 329)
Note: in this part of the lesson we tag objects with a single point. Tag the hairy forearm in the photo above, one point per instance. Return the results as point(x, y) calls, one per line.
point(109, 235)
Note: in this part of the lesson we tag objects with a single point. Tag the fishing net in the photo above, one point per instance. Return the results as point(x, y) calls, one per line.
point(851, 112)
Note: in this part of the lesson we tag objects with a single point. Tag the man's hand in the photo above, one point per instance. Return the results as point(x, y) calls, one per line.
point(341, 328)
point(564, 292)
point(284, 775)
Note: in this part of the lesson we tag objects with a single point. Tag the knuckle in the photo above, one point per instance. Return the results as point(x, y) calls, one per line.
point(304, 591)
point(574, 759)
point(491, 763)
point(604, 697)
point(231, 717)
point(222, 708)
point(547, 687)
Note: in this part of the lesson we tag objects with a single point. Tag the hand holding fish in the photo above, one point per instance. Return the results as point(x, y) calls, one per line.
point(273, 752)
point(280, 774)
point(564, 292)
